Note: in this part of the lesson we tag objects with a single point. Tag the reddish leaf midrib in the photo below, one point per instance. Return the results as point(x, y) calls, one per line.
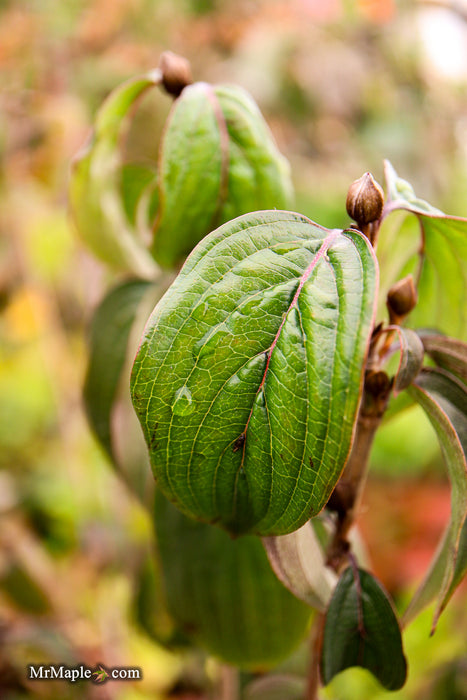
point(332, 235)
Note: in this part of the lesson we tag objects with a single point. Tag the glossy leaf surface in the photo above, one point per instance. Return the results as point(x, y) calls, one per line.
point(223, 593)
point(98, 203)
point(361, 629)
point(248, 380)
point(217, 160)
point(444, 399)
point(435, 252)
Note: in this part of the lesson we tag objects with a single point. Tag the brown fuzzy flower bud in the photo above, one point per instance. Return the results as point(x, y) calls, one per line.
point(176, 72)
point(365, 200)
point(401, 299)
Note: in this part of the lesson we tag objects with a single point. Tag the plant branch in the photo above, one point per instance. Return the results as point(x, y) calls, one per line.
point(346, 497)
point(313, 681)
point(229, 683)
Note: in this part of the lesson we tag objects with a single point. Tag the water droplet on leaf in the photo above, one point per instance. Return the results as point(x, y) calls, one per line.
point(260, 400)
point(182, 402)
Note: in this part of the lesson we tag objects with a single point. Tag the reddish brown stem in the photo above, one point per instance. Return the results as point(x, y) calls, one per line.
point(347, 495)
point(314, 678)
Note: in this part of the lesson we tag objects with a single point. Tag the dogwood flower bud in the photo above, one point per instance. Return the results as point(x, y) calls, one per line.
point(365, 200)
point(401, 299)
point(176, 72)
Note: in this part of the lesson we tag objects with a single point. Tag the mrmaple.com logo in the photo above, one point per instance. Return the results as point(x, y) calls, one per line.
point(100, 674)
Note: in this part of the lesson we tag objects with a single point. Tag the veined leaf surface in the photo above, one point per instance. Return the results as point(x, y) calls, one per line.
point(218, 159)
point(361, 629)
point(444, 399)
point(434, 251)
point(223, 593)
point(248, 379)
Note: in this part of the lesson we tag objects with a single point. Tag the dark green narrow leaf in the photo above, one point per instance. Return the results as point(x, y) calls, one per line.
point(248, 380)
point(448, 353)
point(223, 593)
point(361, 629)
point(110, 330)
point(444, 399)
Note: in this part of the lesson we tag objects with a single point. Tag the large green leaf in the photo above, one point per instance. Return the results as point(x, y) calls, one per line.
point(444, 398)
point(98, 203)
point(248, 380)
point(361, 629)
point(223, 593)
point(259, 176)
point(217, 160)
point(435, 252)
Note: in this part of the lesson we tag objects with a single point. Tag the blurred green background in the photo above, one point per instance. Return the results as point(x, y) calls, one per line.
point(343, 85)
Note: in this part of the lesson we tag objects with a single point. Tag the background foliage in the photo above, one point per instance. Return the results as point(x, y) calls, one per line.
point(342, 84)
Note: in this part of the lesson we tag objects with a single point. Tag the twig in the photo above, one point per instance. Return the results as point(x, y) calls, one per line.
point(229, 687)
point(313, 681)
point(347, 495)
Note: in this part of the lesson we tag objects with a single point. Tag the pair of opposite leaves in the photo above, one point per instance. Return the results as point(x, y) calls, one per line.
point(281, 449)
point(283, 412)
point(248, 379)
point(217, 160)
point(301, 313)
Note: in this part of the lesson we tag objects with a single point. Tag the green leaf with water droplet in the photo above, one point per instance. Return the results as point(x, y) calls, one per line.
point(248, 379)
point(434, 249)
point(218, 160)
point(361, 629)
point(223, 593)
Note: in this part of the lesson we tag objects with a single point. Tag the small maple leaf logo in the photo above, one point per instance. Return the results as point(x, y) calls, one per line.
point(101, 675)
